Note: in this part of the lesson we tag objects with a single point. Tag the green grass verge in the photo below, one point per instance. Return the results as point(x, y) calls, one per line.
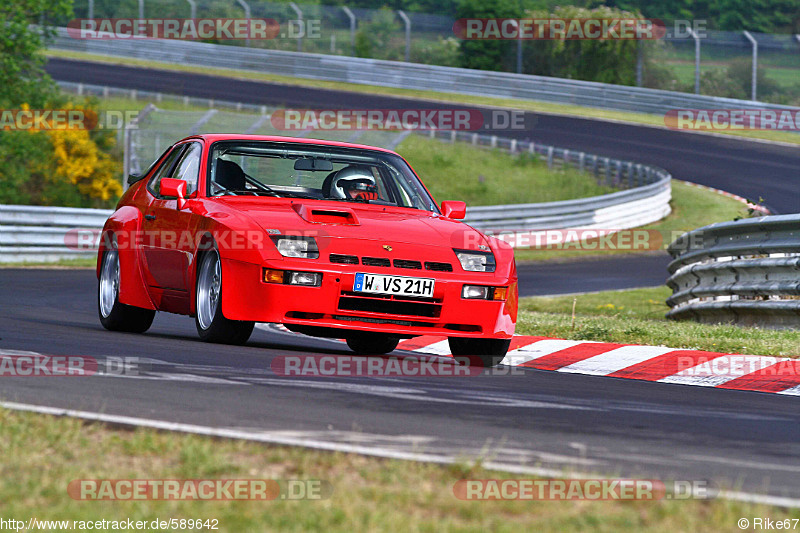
point(692, 207)
point(684, 71)
point(83, 262)
point(42, 454)
point(527, 105)
point(480, 176)
point(637, 317)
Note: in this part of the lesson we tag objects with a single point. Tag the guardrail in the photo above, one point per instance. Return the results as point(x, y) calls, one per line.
point(745, 272)
point(645, 200)
point(405, 75)
point(47, 234)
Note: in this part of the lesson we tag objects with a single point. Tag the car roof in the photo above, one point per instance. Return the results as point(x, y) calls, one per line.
point(213, 137)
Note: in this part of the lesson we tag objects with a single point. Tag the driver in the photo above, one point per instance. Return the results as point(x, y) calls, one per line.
point(356, 183)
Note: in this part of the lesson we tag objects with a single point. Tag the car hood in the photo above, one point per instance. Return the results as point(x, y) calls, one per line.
point(362, 222)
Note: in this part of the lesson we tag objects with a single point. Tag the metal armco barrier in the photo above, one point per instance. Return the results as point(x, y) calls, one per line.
point(405, 75)
point(47, 234)
point(745, 272)
point(645, 199)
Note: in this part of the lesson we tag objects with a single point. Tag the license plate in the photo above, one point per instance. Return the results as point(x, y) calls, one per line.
point(397, 285)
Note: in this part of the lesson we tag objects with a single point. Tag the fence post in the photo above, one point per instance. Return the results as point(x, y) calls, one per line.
point(755, 62)
point(193, 7)
point(246, 8)
point(407, 22)
point(352, 18)
point(300, 34)
point(90, 15)
point(141, 9)
point(696, 60)
point(639, 59)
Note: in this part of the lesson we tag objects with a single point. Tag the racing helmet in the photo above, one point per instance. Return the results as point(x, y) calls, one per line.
point(354, 182)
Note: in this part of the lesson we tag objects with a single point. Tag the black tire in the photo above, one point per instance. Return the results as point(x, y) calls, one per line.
point(372, 343)
point(211, 325)
point(479, 352)
point(116, 316)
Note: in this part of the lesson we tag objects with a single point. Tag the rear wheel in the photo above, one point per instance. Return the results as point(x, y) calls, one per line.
point(372, 343)
point(211, 325)
point(114, 315)
point(483, 352)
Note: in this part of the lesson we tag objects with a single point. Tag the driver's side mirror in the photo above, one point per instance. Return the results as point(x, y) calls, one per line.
point(453, 209)
point(174, 188)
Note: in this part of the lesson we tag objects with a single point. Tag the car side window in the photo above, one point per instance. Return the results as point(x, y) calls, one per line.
point(164, 170)
point(189, 167)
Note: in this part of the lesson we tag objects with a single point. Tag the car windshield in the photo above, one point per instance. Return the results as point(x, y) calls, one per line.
point(293, 170)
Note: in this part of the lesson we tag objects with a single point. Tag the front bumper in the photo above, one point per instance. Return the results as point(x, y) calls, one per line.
point(334, 305)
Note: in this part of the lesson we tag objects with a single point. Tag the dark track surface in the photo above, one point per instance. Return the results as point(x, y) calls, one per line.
point(538, 418)
point(750, 169)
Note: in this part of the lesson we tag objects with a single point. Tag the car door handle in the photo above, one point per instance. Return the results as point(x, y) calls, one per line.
point(150, 217)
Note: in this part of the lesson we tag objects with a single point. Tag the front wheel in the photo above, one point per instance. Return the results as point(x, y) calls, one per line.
point(211, 325)
point(485, 352)
point(372, 343)
point(114, 315)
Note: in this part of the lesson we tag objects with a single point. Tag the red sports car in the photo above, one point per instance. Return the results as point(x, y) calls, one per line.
point(330, 239)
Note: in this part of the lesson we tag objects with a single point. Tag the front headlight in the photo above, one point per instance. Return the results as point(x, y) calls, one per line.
point(473, 261)
point(290, 246)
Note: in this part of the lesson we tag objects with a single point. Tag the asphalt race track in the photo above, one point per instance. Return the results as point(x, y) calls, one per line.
point(533, 419)
point(750, 169)
point(528, 418)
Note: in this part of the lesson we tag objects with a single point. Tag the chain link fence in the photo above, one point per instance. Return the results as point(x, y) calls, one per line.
point(725, 59)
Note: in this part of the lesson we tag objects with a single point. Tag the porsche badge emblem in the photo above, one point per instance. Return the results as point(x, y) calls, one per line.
point(387, 247)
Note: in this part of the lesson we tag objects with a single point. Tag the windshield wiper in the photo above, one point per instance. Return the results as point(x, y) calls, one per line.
point(270, 193)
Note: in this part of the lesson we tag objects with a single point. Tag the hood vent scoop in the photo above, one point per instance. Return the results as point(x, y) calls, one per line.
point(319, 215)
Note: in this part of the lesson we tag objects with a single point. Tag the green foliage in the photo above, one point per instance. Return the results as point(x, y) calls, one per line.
point(58, 167)
point(22, 77)
point(768, 16)
point(605, 60)
point(488, 54)
point(377, 35)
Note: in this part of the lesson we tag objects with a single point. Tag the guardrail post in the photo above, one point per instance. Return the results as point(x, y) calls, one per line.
point(630, 175)
point(246, 8)
point(493, 141)
point(513, 147)
point(755, 63)
point(353, 22)
point(532, 148)
point(193, 8)
point(300, 34)
point(549, 157)
point(581, 158)
point(696, 60)
point(566, 157)
point(407, 22)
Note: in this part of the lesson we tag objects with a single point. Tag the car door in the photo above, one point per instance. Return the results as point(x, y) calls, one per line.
point(168, 244)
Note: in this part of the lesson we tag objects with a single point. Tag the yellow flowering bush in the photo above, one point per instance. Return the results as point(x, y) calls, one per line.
point(71, 167)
